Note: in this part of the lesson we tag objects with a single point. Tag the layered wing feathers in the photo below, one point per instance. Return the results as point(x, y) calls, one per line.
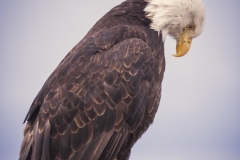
point(95, 106)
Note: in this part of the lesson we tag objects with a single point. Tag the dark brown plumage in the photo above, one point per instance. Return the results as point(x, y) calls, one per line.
point(103, 95)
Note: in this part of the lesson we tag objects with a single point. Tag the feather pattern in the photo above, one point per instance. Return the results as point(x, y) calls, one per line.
point(103, 95)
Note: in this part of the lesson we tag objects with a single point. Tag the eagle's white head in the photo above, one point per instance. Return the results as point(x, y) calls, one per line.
point(181, 19)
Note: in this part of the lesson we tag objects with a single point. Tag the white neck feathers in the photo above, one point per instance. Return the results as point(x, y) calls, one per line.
point(171, 16)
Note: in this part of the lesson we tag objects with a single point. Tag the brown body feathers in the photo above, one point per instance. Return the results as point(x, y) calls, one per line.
point(103, 95)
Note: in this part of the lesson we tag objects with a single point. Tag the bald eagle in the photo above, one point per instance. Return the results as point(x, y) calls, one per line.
point(105, 93)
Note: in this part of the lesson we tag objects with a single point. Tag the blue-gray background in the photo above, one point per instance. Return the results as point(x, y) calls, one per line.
point(199, 113)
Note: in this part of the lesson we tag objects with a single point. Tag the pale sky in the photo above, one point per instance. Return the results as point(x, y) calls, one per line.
point(199, 113)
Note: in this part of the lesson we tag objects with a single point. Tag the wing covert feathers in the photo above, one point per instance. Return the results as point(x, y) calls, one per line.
point(92, 111)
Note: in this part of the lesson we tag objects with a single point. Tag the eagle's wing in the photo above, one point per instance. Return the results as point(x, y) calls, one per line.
point(95, 107)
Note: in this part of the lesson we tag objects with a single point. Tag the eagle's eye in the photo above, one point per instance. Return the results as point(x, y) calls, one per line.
point(191, 27)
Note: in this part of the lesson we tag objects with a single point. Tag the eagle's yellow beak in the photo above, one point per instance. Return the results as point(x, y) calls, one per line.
point(183, 44)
